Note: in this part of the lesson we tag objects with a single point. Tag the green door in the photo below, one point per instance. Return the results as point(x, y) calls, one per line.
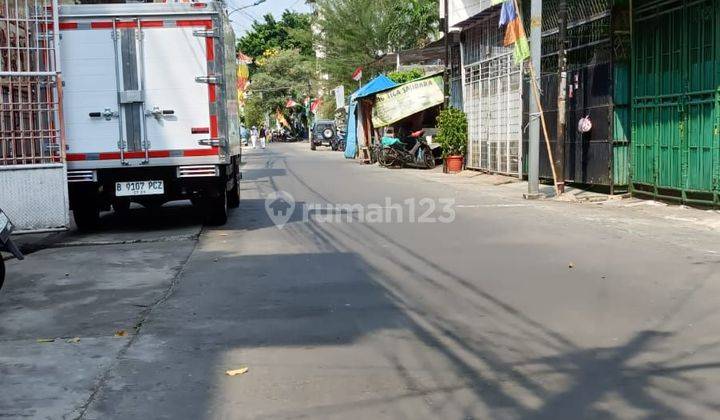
point(675, 99)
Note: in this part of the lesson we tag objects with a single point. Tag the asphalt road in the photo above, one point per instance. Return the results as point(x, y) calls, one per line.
point(510, 309)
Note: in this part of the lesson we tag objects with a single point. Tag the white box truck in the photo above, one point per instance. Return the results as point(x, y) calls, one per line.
point(150, 107)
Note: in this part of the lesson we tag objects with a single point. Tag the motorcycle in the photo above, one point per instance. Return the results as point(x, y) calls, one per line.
point(6, 244)
point(338, 143)
point(413, 151)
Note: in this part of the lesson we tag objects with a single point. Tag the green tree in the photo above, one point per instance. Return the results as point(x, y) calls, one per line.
point(354, 33)
point(292, 31)
point(404, 76)
point(282, 75)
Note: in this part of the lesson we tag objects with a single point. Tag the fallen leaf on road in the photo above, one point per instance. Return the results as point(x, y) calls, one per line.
point(74, 340)
point(120, 333)
point(45, 340)
point(236, 371)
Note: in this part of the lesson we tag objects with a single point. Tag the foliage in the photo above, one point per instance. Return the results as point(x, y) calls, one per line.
point(404, 76)
point(291, 32)
point(254, 112)
point(452, 132)
point(281, 75)
point(414, 21)
point(353, 33)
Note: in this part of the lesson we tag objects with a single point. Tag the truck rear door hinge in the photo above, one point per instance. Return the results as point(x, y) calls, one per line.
point(213, 79)
point(206, 33)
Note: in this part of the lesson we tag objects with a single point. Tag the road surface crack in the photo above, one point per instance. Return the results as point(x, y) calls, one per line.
point(142, 318)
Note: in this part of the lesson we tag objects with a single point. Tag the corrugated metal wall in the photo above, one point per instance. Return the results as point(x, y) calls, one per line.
point(676, 101)
point(598, 86)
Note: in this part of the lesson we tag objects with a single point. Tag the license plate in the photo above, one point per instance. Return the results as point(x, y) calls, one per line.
point(131, 188)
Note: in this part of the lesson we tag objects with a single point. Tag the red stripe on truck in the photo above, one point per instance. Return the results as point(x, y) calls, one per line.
point(75, 157)
point(213, 126)
point(212, 95)
point(206, 23)
point(201, 152)
point(102, 25)
point(210, 47)
point(152, 24)
point(200, 130)
point(129, 24)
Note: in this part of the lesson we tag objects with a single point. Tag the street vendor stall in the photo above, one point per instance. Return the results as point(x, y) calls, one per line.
point(382, 103)
point(356, 129)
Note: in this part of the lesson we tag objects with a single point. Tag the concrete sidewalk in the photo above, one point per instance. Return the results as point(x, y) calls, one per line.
point(619, 209)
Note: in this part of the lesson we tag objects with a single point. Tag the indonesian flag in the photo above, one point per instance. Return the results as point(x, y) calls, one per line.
point(290, 103)
point(357, 74)
point(315, 105)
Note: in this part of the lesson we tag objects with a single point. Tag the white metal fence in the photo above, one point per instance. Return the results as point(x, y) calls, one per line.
point(492, 101)
point(32, 170)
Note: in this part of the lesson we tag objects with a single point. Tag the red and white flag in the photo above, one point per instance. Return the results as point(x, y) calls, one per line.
point(315, 105)
point(290, 104)
point(357, 74)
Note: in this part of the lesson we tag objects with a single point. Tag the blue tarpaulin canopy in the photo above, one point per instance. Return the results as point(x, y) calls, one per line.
point(374, 86)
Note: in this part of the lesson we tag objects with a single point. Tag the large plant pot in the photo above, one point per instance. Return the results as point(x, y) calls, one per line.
point(454, 164)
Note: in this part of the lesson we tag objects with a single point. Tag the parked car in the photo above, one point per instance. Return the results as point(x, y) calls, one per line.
point(324, 133)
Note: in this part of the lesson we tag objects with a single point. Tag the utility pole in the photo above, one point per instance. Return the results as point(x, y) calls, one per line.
point(446, 73)
point(562, 94)
point(534, 134)
point(307, 112)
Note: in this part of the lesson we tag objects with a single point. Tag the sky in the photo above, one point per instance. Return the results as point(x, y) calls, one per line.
point(243, 19)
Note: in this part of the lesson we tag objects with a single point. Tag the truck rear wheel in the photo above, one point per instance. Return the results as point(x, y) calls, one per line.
point(217, 210)
point(233, 196)
point(87, 216)
point(2, 271)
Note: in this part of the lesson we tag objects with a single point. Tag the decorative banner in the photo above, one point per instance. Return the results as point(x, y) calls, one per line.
point(315, 105)
point(407, 99)
point(339, 97)
point(281, 118)
point(243, 77)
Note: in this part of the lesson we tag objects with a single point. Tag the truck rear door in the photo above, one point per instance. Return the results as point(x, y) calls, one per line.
point(136, 89)
point(92, 123)
point(177, 106)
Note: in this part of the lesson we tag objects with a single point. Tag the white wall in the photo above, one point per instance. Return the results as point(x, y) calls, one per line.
point(460, 10)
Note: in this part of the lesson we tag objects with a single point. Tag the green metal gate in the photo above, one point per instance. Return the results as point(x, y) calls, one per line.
point(676, 100)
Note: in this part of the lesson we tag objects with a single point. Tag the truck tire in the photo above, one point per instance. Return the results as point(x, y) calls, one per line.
point(2, 271)
point(87, 216)
point(312, 145)
point(217, 210)
point(233, 196)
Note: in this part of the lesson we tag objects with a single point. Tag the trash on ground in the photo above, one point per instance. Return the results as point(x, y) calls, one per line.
point(571, 265)
point(236, 371)
point(45, 340)
point(73, 340)
point(120, 333)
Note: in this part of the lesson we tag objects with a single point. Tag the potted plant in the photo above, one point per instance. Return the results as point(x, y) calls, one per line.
point(453, 136)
